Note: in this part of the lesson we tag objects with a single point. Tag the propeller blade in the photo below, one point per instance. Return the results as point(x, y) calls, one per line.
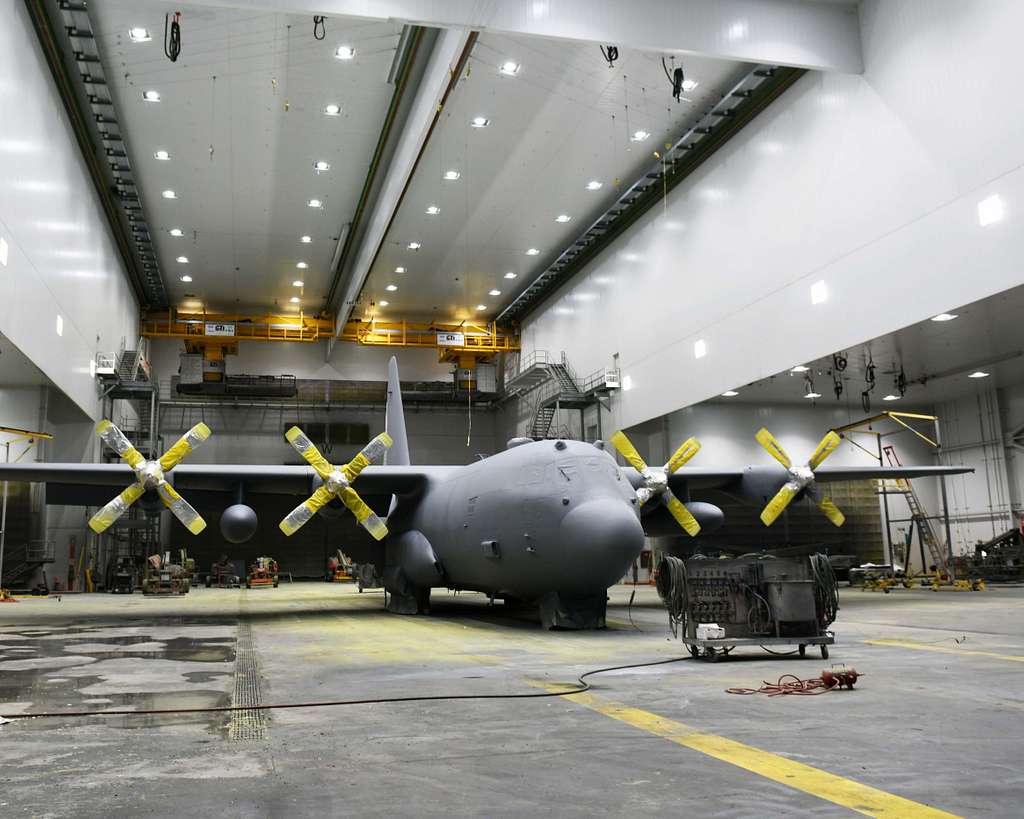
point(831, 511)
point(777, 505)
point(690, 447)
point(825, 448)
point(372, 453)
point(185, 445)
point(180, 508)
point(767, 440)
point(101, 521)
point(627, 450)
point(307, 449)
point(364, 514)
point(114, 438)
point(303, 513)
point(682, 515)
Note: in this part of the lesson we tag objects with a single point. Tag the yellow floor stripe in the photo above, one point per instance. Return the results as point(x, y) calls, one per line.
point(1013, 658)
point(830, 787)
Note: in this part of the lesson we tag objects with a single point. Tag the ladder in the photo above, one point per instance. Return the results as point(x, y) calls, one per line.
point(918, 515)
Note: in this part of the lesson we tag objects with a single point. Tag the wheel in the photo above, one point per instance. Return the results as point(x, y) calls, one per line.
point(710, 655)
point(824, 652)
point(802, 649)
point(248, 585)
point(275, 582)
point(360, 588)
point(694, 652)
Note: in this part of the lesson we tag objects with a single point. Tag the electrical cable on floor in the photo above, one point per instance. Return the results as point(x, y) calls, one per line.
point(172, 43)
point(581, 686)
point(790, 684)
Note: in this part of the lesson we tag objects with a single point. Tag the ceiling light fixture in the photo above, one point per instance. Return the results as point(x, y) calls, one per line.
point(813, 394)
point(509, 68)
point(563, 218)
point(139, 35)
point(176, 232)
point(151, 96)
point(481, 307)
point(819, 293)
point(306, 239)
point(298, 283)
point(391, 288)
point(169, 194)
point(594, 185)
point(480, 122)
point(294, 299)
point(315, 203)
point(945, 317)
point(182, 260)
point(990, 210)
point(799, 368)
point(432, 210)
point(321, 165)
point(414, 246)
point(730, 394)
point(301, 265)
point(383, 303)
point(510, 275)
point(494, 293)
point(891, 397)
point(332, 110)
point(978, 374)
point(344, 53)
point(451, 176)
point(639, 136)
point(399, 269)
point(186, 278)
point(700, 348)
point(689, 85)
point(532, 251)
point(163, 156)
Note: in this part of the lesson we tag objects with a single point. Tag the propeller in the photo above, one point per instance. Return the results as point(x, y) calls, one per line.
point(655, 479)
point(150, 475)
point(801, 478)
point(336, 483)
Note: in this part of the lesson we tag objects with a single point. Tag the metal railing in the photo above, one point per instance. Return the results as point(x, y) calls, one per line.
point(40, 551)
point(516, 364)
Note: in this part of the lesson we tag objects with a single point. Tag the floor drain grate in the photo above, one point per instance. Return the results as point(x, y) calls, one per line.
point(249, 724)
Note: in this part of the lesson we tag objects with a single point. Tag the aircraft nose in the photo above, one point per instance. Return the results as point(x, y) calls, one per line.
point(603, 539)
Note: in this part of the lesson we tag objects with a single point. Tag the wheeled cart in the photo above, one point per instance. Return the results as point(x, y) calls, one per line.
point(713, 649)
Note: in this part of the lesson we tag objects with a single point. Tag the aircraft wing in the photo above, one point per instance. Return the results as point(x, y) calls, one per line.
point(859, 473)
point(693, 477)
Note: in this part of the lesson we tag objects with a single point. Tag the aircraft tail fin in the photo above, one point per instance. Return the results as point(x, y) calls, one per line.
point(394, 423)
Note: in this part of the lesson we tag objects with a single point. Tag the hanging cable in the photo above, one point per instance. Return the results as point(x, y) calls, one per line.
point(610, 53)
point(319, 28)
point(172, 37)
point(675, 78)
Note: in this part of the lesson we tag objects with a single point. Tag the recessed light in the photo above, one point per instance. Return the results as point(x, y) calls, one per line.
point(432, 210)
point(399, 269)
point(563, 217)
point(383, 302)
point(594, 185)
point(414, 246)
point(494, 293)
point(168, 194)
point(891, 397)
point(799, 368)
point(163, 156)
point(700, 348)
point(151, 96)
point(139, 35)
point(730, 394)
point(315, 203)
point(391, 288)
point(480, 122)
point(60, 324)
point(321, 165)
point(298, 283)
point(532, 251)
point(990, 210)
point(301, 265)
point(451, 176)
point(481, 307)
point(186, 278)
point(344, 53)
point(182, 260)
point(819, 293)
point(639, 136)
point(332, 110)
point(978, 374)
point(813, 394)
point(306, 239)
point(294, 299)
point(510, 275)
point(509, 68)
point(689, 85)
point(176, 232)
point(944, 317)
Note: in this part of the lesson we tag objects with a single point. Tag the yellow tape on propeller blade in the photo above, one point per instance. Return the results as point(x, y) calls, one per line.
point(767, 440)
point(682, 515)
point(185, 445)
point(364, 514)
point(181, 508)
point(825, 448)
point(831, 511)
point(101, 521)
point(777, 505)
point(303, 513)
point(115, 439)
point(307, 449)
point(690, 447)
point(627, 450)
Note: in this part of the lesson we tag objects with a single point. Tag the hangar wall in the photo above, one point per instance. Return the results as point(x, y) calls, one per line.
point(869, 183)
point(61, 260)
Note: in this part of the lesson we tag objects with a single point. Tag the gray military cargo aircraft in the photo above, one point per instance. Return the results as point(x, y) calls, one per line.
point(552, 522)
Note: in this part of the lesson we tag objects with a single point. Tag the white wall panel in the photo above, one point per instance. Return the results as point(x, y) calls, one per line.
point(62, 260)
point(869, 183)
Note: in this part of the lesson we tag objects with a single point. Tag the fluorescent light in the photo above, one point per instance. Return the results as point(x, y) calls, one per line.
point(990, 210)
point(315, 203)
point(700, 348)
point(139, 35)
point(891, 397)
point(451, 176)
point(182, 260)
point(60, 324)
point(563, 218)
point(399, 269)
point(494, 293)
point(639, 136)
point(978, 374)
point(306, 239)
point(432, 210)
point(813, 394)
point(510, 275)
point(3, 252)
point(481, 307)
point(689, 85)
point(730, 394)
point(594, 185)
point(151, 96)
point(391, 288)
point(799, 368)
point(480, 122)
point(383, 302)
point(301, 265)
point(819, 293)
point(163, 156)
point(169, 194)
point(332, 110)
point(532, 251)
point(321, 165)
point(298, 283)
point(294, 299)
point(344, 53)
point(944, 317)
point(186, 278)
point(414, 246)
point(176, 232)
point(509, 68)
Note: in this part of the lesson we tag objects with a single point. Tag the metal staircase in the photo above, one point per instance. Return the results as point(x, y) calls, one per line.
point(917, 514)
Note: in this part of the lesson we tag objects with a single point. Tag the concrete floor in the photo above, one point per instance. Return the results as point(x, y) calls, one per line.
point(935, 721)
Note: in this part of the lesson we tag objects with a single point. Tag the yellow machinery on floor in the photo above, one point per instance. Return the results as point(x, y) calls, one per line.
point(166, 578)
point(339, 568)
point(262, 573)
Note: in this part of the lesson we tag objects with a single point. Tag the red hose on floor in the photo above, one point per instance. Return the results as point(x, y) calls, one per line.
point(830, 680)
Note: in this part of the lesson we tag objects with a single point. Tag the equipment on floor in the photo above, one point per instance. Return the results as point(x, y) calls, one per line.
point(339, 568)
point(367, 576)
point(122, 580)
point(1000, 559)
point(753, 600)
point(262, 573)
point(831, 679)
point(223, 574)
point(166, 578)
